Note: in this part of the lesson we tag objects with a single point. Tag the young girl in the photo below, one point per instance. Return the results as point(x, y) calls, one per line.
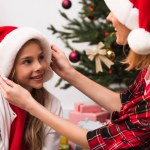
point(130, 123)
point(25, 57)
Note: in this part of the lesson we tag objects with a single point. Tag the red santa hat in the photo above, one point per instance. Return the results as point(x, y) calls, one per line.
point(12, 39)
point(134, 14)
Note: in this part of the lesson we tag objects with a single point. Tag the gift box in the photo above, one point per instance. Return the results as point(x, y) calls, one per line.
point(92, 112)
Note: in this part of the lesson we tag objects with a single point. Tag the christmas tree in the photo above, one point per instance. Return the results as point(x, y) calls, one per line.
point(91, 26)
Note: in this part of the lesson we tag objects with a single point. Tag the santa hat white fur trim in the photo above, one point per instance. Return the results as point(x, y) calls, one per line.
point(139, 41)
point(12, 43)
point(123, 10)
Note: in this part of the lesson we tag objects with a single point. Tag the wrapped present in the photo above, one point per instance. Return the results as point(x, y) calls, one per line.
point(91, 112)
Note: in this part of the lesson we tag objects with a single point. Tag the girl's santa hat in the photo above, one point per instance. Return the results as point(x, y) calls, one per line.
point(12, 39)
point(134, 15)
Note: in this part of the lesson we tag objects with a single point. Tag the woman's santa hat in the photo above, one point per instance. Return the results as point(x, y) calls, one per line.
point(135, 15)
point(11, 41)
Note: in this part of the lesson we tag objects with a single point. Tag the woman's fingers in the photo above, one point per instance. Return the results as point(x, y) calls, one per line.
point(56, 51)
point(3, 85)
point(6, 86)
point(55, 48)
point(5, 81)
point(9, 82)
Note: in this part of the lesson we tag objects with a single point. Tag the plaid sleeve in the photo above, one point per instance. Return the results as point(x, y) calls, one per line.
point(138, 104)
point(140, 113)
point(95, 140)
point(129, 93)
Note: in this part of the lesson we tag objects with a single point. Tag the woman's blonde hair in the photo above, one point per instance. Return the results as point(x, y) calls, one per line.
point(33, 137)
point(136, 61)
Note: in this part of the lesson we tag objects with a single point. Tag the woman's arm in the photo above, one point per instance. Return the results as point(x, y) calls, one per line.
point(101, 95)
point(20, 97)
point(60, 125)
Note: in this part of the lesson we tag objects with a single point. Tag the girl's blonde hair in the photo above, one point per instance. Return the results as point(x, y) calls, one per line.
point(136, 61)
point(33, 137)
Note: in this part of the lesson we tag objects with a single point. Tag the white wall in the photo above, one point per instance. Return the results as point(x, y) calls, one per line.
point(40, 14)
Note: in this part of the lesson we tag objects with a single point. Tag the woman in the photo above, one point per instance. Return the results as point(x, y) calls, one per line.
point(130, 123)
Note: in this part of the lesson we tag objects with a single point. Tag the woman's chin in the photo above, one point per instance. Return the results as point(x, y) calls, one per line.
point(120, 42)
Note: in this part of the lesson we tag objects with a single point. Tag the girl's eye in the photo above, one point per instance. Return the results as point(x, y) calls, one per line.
point(26, 61)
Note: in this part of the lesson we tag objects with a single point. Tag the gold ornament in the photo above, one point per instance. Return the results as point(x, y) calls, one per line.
point(100, 55)
point(110, 54)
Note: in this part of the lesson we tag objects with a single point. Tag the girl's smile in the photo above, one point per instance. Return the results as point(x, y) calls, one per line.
point(38, 78)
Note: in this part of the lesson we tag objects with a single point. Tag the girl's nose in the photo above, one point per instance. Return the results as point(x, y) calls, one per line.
point(38, 66)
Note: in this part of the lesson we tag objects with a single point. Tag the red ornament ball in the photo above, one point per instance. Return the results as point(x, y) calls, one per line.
point(110, 71)
point(74, 56)
point(106, 33)
point(91, 17)
point(66, 4)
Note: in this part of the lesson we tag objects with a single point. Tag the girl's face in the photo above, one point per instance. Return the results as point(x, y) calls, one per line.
point(121, 30)
point(30, 66)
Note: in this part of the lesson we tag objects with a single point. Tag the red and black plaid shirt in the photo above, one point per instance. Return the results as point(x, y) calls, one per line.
point(130, 128)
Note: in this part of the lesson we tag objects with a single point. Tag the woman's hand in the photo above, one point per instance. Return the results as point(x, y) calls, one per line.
point(15, 93)
point(60, 63)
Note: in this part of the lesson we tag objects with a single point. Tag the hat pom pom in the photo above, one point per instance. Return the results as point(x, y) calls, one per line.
point(139, 41)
